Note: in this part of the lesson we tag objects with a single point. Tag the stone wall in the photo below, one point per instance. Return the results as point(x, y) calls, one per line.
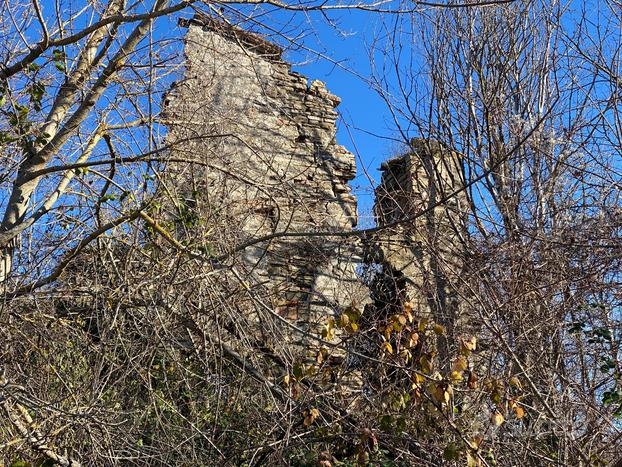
point(254, 154)
point(422, 249)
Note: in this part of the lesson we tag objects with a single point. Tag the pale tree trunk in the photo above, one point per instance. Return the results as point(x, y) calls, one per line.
point(27, 180)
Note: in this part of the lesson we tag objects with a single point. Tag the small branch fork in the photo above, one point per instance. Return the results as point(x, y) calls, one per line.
point(24, 424)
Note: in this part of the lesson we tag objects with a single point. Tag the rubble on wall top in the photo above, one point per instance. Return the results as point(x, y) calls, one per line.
point(394, 163)
point(249, 40)
point(418, 146)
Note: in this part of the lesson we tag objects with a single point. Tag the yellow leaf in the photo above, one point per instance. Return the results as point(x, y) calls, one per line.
point(345, 320)
point(449, 392)
point(426, 364)
point(497, 418)
point(398, 322)
point(472, 461)
point(455, 376)
point(437, 392)
point(515, 382)
point(354, 326)
point(409, 315)
point(413, 340)
point(439, 329)
point(471, 344)
point(441, 393)
point(386, 346)
point(310, 416)
point(328, 332)
point(518, 411)
point(476, 442)
point(418, 378)
point(286, 380)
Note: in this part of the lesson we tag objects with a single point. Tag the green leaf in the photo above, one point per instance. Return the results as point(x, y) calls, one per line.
point(20, 463)
point(451, 452)
point(386, 421)
point(610, 397)
point(298, 371)
point(609, 364)
point(36, 91)
point(58, 56)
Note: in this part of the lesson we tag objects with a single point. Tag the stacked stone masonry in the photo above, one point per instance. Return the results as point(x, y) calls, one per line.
point(254, 151)
point(422, 204)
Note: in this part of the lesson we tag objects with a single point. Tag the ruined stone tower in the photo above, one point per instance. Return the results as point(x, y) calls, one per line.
point(421, 250)
point(254, 155)
point(254, 162)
